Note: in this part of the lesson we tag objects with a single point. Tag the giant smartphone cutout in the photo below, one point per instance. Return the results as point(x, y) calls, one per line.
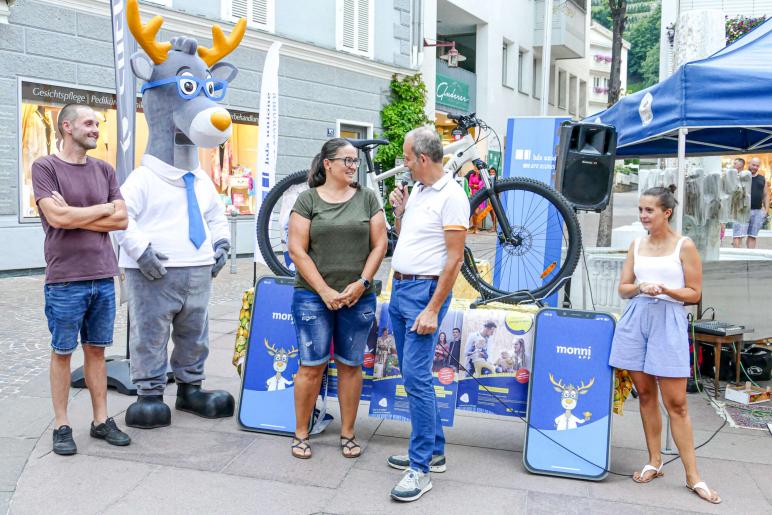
point(570, 395)
point(267, 389)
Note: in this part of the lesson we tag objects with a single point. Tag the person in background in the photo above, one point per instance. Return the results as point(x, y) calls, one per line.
point(337, 240)
point(662, 271)
point(759, 208)
point(476, 183)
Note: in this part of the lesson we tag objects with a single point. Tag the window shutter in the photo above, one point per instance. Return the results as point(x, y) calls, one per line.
point(363, 26)
point(239, 9)
point(260, 12)
point(349, 24)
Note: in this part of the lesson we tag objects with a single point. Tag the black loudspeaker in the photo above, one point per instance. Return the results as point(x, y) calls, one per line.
point(585, 164)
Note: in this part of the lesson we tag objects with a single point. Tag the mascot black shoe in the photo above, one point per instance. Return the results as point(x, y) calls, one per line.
point(204, 403)
point(149, 412)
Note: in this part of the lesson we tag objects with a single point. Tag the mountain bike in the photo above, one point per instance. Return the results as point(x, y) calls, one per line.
point(531, 252)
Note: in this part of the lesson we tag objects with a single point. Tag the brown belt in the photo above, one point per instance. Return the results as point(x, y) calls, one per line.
point(405, 277)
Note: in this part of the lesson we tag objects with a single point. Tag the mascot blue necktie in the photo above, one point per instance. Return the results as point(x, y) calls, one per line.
point(196, 231)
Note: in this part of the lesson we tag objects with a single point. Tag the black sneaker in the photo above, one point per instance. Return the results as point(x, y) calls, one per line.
point(109, 432)
point(64, 445)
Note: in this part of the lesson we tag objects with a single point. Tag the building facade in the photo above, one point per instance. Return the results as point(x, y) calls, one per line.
point(336, 65)
point(599, 64)
point(337, 60)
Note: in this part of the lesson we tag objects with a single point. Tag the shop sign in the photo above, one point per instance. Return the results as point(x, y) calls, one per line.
point(452, 93)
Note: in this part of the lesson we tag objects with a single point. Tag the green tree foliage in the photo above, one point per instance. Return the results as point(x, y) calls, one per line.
point(642, 57)
point(602, 14)
point(403, 113)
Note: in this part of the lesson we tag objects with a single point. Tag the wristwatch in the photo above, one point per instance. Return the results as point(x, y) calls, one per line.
point(364, 282)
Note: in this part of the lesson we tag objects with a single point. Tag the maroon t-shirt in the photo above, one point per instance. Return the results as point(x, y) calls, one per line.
point(76, 254)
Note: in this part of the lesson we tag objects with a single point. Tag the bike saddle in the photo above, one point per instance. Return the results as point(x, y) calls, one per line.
point(364, 143)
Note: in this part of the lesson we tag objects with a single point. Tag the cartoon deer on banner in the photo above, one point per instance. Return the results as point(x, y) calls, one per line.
point(177, 239)
point(568, 399)
point(280, 358)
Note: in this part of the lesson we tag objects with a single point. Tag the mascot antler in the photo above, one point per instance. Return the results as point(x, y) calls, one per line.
point(146, 34)
point(221, 45)
point(583, 389)
point(557, 384)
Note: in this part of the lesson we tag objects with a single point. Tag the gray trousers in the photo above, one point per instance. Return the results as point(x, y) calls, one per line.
point(178, 302)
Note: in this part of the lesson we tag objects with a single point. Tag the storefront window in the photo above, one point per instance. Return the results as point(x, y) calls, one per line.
point(231, 166)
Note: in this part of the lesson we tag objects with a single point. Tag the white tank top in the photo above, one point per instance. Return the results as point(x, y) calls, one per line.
point(666, 270)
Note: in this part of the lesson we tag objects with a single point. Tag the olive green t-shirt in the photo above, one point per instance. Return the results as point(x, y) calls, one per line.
point(339, 241)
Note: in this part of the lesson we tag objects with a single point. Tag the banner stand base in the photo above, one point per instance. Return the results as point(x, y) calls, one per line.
point(118, 375)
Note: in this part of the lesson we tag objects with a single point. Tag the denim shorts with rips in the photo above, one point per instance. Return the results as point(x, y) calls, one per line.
point(85, 308)
point(317, 327)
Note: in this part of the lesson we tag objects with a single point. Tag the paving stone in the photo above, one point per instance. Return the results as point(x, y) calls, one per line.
point(24, 416)
point(473, 466)
point(13, 456)
point(365, 491)
point(268, 457)
point(173, 446)
point(540, 502)
point(230, 494)
point(75, 484)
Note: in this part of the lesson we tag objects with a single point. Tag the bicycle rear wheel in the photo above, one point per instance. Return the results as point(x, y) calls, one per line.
point(543, 249)
point(273, 220)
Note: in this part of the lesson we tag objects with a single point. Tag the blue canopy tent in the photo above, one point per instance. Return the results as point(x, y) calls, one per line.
point(715, 106)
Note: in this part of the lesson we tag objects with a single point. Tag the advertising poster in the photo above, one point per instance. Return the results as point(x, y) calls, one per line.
point(388, 398)
point(267, 402)
point(571, 394)
point(531, 151)
point(496, 358)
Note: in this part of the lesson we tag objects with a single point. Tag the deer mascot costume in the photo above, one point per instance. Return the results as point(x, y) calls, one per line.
point(177, 238)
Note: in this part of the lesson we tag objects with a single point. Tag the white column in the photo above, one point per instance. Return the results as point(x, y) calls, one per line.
point(429, 64)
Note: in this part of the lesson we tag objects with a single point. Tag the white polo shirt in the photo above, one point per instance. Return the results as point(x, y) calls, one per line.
point(430, 211)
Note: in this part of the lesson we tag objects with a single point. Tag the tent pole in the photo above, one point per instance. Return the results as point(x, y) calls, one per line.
point(682, 132)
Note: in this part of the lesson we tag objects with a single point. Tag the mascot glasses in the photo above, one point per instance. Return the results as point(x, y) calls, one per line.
point(189, 87)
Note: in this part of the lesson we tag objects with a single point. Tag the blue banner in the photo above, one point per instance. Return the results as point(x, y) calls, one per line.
point(571, 394)
point(267, 394)
point(531, 151)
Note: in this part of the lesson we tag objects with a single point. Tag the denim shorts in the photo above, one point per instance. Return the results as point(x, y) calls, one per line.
point(752, 228)
point(316, 327)
point(80, 307)
point(652, 336)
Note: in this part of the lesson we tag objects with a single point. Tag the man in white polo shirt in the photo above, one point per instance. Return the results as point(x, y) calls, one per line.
point(431, 223)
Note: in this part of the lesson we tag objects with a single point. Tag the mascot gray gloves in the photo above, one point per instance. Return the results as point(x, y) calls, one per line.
point(150, 264)
point(221, 248)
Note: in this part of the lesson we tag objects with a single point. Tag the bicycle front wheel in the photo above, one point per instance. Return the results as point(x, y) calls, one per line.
point(543, 247)
point(273, 222)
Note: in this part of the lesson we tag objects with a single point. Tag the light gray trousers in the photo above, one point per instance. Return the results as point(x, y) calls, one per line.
point(178, 302)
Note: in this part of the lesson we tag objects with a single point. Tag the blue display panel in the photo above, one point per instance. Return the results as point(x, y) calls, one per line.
point(570, 395)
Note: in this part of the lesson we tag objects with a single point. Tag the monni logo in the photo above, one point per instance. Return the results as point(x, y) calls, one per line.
point(580, 352)
point(281, 316)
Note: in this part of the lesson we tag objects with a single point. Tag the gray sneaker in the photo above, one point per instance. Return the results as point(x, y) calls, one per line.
point(412, 486)
point(402, 462)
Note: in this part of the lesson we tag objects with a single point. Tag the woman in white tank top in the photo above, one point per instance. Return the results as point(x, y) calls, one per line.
point(661, 273)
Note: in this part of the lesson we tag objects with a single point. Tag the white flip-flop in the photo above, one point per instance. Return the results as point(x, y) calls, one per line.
point(649, 468)
point(702, 485)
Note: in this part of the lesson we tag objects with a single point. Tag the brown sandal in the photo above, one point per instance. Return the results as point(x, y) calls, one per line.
point(300, 448)
point(349, 444)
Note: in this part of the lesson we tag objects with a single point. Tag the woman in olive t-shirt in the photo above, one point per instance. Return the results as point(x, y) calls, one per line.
point(337, 240)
